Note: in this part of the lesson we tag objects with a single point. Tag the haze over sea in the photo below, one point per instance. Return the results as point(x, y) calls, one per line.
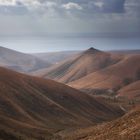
point(42, 44)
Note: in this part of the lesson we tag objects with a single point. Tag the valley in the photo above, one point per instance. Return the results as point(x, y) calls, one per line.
point(69, 69)
point(80, 98)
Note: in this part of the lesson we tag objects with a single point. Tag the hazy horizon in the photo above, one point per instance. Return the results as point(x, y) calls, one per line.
point(57, 25)
point(38, 45)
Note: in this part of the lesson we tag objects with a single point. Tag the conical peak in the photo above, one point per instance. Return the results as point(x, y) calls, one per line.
point(91, 51)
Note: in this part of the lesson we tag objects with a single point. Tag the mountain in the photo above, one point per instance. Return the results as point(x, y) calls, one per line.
point(124, 128)
point(19, 61)
point(79, 66)
point(116, 76)
point(35, 108)
point(56, 57)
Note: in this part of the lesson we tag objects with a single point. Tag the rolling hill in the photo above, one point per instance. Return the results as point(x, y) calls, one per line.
point(124, 128)
point(115, 76)
point(19, 61)
point(87, 62)
point(35, 108)
point(131, 91)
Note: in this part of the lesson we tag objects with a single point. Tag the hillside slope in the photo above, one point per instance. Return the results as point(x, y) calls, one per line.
point(56, 57)
point(124, 128)
point(36, 108)
point(85, 63)
point(19, 61)
point(131, 91)
point(115, 76)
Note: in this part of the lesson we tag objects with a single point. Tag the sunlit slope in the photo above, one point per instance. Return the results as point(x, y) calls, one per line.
point(115, 76)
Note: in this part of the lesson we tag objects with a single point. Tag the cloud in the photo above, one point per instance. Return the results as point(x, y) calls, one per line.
point(72, 5)
point(51, 4)
point(132, 7)
point(72, 15)
point(99, 4)
point(87, 6)
point(114, 6)
point(8, 2)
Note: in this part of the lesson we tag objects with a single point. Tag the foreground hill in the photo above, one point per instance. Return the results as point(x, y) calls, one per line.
point(115, 76)
point(124, 128)
point(85, 63)
point(19, 61)
point(36, 108)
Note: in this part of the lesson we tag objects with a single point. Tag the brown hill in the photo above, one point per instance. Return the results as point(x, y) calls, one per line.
point(20, 62)
point(131, 91)
point(124, 128)
point(36, 108)
point(115, 76)
point(87, 62)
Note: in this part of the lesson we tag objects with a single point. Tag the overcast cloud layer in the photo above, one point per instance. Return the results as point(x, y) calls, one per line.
point(43, 17)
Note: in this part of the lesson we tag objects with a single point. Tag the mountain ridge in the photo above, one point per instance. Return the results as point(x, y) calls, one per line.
point(80, 66)
point(112, 76)
point(20, 61)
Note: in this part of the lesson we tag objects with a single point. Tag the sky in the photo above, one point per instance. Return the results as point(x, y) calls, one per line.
point(69, 18)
